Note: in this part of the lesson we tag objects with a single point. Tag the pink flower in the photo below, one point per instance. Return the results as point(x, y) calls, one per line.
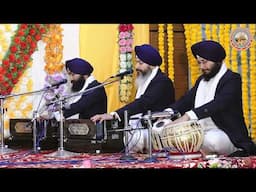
point(122, 49)
point(128, 49)
point(128, 34)
point(129, 41)
point(122, 42)
point(122, 35)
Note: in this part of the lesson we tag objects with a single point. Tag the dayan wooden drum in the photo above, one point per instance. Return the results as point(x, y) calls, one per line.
point(185, 137)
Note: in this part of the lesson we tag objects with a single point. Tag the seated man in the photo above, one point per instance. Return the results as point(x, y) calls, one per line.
point(89, 103)
point(86, 104)
point(155, 92)
point(216, 101)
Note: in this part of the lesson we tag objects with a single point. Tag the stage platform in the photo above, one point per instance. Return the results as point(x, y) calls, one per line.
point(28, 159)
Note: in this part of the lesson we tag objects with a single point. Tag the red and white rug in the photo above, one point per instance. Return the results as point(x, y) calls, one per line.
point(28, 159)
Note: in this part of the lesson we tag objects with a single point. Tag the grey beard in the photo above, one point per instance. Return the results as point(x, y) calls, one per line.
point(141, 79)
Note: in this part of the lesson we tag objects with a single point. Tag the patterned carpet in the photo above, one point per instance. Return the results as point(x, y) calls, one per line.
point(28, 159)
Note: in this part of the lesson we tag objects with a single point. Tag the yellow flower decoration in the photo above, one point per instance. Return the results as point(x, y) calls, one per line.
point(53, 49)
point(170, 51)
point(161, 44)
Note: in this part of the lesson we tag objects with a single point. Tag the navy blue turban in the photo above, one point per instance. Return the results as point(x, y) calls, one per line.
point(148, 54)
point(210, 50)
point(79, 66)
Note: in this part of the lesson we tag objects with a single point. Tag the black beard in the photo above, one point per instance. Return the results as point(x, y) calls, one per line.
point(77, 85)
point(213, 72)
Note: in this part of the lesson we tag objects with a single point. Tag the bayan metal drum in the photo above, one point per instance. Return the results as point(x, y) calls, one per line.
point(185, 137)
point(156, 133)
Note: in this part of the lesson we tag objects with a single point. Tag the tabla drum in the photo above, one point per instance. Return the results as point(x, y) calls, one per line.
point(156, 134)
point(185, 137)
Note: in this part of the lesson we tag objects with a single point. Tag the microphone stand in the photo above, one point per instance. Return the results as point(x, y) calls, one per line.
point(85, 91)
point(61, 152)
point(150, 158)
point(4, 148)
point(35, 147)
point(126, 156)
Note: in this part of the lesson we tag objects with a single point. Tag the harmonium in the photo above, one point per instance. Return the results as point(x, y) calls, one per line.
point(82, 135)
point(21, 133)
point(79, 135)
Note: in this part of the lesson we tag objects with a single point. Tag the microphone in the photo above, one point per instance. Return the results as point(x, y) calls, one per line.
point(156, 115)
point(126, 129)
point(128, 72)
point(58, 83)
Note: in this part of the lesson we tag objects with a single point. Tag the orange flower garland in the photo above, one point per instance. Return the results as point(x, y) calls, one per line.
point(54, 49)
point(53, 63)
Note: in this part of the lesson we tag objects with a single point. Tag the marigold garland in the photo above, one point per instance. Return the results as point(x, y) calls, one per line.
point(53, 64)
point(125, 42)
point(214, 32)
point(53, 49)
point(207, 31)
point(222, 34)
point(252, 63)
point(227, 28)
point(196, 36)
point(161, 36)
point(233, 61)
point(170, 51)
point(245, 81)
point(188, 45)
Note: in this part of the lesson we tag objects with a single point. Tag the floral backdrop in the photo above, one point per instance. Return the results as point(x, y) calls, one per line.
point(125, 42)
point(23, 44)
point(166, 66)
point(18, 43)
